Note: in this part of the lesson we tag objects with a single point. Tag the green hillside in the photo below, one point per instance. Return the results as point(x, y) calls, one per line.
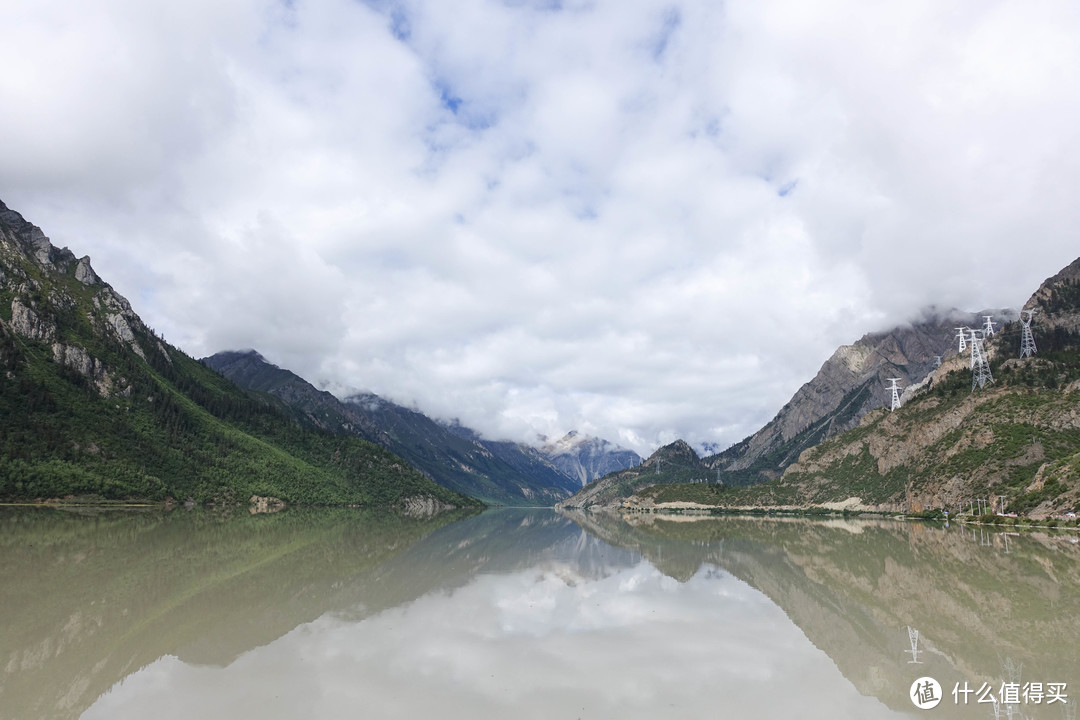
point(94, 404)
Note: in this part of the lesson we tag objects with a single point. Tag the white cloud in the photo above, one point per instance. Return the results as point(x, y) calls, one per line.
point(648, 219)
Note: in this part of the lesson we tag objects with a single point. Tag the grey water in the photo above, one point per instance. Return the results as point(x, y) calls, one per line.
point(528, 614)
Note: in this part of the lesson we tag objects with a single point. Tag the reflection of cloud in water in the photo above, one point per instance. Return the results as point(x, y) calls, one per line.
point(542, 643)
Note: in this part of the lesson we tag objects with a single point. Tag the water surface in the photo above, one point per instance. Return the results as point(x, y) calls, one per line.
point(347, 614)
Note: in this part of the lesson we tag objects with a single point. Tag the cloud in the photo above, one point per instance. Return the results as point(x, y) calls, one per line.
point(648, 220)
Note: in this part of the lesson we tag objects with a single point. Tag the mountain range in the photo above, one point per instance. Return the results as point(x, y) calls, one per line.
point(502, 473)
point(94, 404)
point(586, 458)
point(1011, 444)
point(851, 383)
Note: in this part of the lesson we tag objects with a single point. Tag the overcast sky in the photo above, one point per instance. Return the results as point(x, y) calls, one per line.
point(643, 220)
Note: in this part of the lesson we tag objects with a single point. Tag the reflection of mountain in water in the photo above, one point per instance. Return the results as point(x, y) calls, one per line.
point(495, 542)
point(88, 600)
point(855, 587)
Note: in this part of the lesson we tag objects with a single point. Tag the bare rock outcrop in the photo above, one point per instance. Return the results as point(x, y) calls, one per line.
point(85, 274)
point(76, 358)
point(423, 506)
point(31, 324)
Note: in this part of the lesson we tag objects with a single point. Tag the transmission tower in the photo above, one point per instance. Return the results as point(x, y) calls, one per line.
point(895, 393)
point(937, 361)
point(961, 333)
point(988, 328)
point(980, 367)
point(1027, 340)
point(913, 638)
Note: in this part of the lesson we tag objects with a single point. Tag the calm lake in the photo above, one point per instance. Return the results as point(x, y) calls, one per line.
point(529, 614)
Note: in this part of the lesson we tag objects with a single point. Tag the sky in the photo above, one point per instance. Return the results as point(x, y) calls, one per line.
point(641, 220)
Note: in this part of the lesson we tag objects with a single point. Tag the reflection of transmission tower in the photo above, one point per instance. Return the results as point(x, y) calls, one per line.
point(1027, 340)
point(980, 368)
point(895, 393)
point(961, 333)
point(988, 328)
point(913, 638)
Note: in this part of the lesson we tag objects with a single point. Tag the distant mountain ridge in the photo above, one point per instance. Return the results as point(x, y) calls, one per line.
point(586, 458)
point(497, 472)
point(676, 462)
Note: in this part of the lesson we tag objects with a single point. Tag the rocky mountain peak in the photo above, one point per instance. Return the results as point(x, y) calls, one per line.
point(586, 457)
point(1057, 301)
point(678, 450)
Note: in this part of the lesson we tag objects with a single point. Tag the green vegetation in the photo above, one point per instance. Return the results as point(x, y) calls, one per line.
point(180, 431)
point(145, 421)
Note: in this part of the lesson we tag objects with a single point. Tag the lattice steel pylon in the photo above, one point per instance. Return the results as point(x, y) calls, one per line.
point(1027, 340)
point(895, 393)
point(988, 328)
point(961, 333)
point(913, 638)
point(980, 367)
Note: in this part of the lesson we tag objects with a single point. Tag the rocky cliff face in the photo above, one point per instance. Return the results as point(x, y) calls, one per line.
point(586, 458)
point(36, 279)
point(1056, 300)
point(849, 385)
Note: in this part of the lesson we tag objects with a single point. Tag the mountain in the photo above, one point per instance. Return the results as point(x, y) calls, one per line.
point(1013, 444)
point(586, 458)
point(94, 404)
point(499, 473)
point(674, 463)
point(850, 384)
